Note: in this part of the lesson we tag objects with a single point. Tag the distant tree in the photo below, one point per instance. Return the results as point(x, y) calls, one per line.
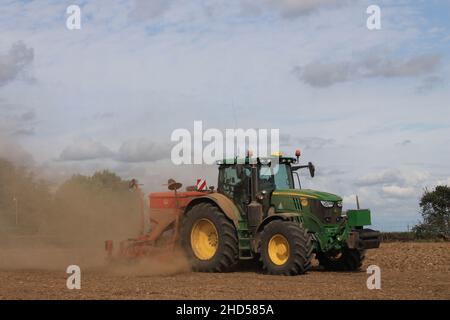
point(23, 194)
point(82, 209)
point(94, 208)
point(435, 210)
point(100, 181)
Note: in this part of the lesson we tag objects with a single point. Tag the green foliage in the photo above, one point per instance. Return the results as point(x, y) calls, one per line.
point(101, 182)
point(435, 210)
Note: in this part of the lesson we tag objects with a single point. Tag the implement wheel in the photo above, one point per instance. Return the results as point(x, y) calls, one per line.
point(286, 248)
point(209, 239)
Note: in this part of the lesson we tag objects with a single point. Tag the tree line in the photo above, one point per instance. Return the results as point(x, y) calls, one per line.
point(83, 208)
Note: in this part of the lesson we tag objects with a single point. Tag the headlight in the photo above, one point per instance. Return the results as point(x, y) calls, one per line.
point(339, 204)
point(327, 204)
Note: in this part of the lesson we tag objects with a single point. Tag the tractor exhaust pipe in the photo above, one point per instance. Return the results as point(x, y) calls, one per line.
point(254, 209)
point(134, 185)
point(254, 182)
point(109, 249)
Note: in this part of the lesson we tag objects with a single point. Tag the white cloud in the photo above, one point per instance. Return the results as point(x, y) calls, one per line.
point(415, 177)
point(429, 83)
point(405, 177)
point(12, 151)
point(289, 8)
point(348, 200)
point(142, 150)
point(399, 192)
point(14, 62)
point(15, 120)
point(26, 131)
point(28, 115)
point(305, 142)
point(445, 182)
point(404, 143)
point(149, 10)
point(380, 177)
point(320, 74)
point(137, 150)
point(85, 150)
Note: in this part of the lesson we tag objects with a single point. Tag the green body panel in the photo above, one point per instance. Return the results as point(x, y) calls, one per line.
point(244, 236)
point(327, 236)
point(299, 201)
point(359, 218)
point(307, 193)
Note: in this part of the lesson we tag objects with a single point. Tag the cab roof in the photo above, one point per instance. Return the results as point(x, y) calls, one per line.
point(262, 160)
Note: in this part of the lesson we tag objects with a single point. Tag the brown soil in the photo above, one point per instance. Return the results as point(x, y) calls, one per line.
point(408, 271)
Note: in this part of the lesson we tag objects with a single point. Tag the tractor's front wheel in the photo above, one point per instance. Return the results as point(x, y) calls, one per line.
point(286, 248)
point(209, 239)
point(344, 260)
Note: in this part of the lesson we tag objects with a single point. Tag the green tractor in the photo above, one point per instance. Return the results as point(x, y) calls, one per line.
point(258, 214)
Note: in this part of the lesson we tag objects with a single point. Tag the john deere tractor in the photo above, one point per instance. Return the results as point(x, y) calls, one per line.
point(258, 213)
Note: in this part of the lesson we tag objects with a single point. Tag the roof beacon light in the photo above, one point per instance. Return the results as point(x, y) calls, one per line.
point(277, 154)
point(298, 153)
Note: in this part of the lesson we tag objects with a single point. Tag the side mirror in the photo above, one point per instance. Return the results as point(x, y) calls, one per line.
point(312, 169)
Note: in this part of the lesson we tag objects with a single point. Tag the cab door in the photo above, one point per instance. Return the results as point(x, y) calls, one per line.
point(234, 182)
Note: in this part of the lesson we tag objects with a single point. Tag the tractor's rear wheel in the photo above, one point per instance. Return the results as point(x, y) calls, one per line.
point(209, 239)
point(286, 248)
point(344, 260)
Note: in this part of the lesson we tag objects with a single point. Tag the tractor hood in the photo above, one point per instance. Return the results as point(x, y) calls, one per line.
point(308, 193)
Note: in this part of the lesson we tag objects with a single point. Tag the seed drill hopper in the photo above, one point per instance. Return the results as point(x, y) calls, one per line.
point(165, 210)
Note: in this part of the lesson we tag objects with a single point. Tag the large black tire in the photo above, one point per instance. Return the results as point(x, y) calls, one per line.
point(298, 258)
point(346, 260)
point(226, 254)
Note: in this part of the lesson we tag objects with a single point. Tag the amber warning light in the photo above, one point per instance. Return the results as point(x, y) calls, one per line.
point(298, 153)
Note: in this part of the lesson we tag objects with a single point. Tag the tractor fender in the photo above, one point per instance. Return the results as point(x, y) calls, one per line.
point(224, 203)
point(278, 216)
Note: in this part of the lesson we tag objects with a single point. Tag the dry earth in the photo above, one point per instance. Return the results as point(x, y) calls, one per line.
point(408, 271)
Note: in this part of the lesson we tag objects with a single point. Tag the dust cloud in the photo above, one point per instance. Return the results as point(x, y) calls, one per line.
point(45, 227)
point(165, 263)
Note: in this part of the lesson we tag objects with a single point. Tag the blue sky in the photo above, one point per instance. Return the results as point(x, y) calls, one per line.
point(369, 108)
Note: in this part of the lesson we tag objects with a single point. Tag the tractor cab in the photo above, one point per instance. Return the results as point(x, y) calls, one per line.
point(272, 175)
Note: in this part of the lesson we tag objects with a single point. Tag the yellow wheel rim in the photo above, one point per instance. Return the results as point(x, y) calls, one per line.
point(204, 239)
point(278, 249)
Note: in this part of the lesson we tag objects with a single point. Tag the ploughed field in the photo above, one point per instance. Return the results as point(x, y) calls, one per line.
point(408, 271)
